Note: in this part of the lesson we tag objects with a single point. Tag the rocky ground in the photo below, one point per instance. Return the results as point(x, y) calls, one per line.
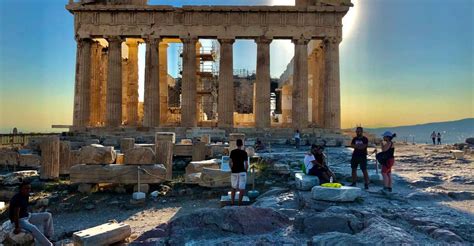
point(432, 203)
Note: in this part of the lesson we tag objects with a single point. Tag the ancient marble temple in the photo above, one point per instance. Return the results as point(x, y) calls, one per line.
point(108, 33)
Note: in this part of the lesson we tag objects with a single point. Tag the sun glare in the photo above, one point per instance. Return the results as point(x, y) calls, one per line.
point(349, 21)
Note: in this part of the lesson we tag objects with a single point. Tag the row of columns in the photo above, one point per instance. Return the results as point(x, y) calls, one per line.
point(155, 87)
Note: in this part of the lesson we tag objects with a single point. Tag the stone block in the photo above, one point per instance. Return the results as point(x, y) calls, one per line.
point(50, 154)
point(15, 178)
point(305, 182)
point(343, 194)
point(117, 174)
point(139, 156)
point(193, 178)
point(206, 138)
point(126, 144)
point(281, 168)
point(30, 160)
point(199, 151)
point(198, 166)
point(7, 236)
point(214, 178)
point(458, 154)
point(165, 136)
point(8, 157)
point(92, 141)
point(64, 157)
point(75, 157)
point(217, 150)
point(105, 234)
point(186, 141)
point(97, 154)
point(120, 159)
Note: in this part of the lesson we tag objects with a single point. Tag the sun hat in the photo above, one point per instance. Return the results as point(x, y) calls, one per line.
point(387, 134)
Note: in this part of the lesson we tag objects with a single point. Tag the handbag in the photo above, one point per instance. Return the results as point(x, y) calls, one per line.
point(382, 157)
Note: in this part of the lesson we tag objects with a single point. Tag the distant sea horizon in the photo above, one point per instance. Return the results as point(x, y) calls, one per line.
point(452, 131)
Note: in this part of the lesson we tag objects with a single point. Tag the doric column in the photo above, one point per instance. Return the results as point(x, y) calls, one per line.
point(332, 96)
point(132, 92)
point(317, 90)
point(152, 84)
point(83, 83)
point(189, 85)
point(104, 62)
point(125, 100)
point(300, 84)
point(95, 84)
point(163, 54)
point(225, 106)
point(262, 100)
point(114, 83)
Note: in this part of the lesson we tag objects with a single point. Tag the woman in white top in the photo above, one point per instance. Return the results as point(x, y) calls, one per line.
point(297, 139)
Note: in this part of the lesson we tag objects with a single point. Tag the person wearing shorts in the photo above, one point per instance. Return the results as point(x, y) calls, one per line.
point(239, 166)
point(387, 146)
point(359, 156)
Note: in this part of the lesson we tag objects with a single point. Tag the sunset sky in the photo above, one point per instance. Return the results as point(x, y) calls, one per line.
point(402, 61)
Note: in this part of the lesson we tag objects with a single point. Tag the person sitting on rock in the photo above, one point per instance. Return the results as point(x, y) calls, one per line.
point(315, 164)
point(239, 165)
point(21, 219)
point(259, 146)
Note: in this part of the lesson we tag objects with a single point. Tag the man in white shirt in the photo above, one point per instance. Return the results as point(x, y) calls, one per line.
point(315, 164)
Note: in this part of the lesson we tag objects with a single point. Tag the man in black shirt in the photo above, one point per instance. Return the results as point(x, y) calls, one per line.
point(239, 165)
point(359, 156)
point(19, 216)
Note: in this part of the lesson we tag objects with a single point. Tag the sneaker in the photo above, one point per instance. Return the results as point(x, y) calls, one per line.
point(389, 189)
point(366, 186)
point(353, 184)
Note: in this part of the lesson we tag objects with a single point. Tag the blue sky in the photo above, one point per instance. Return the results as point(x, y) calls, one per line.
point(402, 61)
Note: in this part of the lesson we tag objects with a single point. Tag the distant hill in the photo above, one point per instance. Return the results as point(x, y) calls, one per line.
point(451, 131)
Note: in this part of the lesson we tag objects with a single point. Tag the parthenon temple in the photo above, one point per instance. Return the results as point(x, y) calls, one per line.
point(109, 33)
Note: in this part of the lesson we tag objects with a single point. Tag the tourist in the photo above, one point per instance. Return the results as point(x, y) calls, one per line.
point(433, 137)
point(297, 139)
point(30, 222)
point(359, 157)
point(387, 159)
point(239, 166)
point(439, 138)
point(259, 146)
point(315, 165)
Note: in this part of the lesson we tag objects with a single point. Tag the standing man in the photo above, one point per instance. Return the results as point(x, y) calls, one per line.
point(30, 222)
point(433, 137)
point(239, 166)
point(439, 138)
point(359, 156)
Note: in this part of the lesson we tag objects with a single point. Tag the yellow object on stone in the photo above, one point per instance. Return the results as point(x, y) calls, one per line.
point(332, 185)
